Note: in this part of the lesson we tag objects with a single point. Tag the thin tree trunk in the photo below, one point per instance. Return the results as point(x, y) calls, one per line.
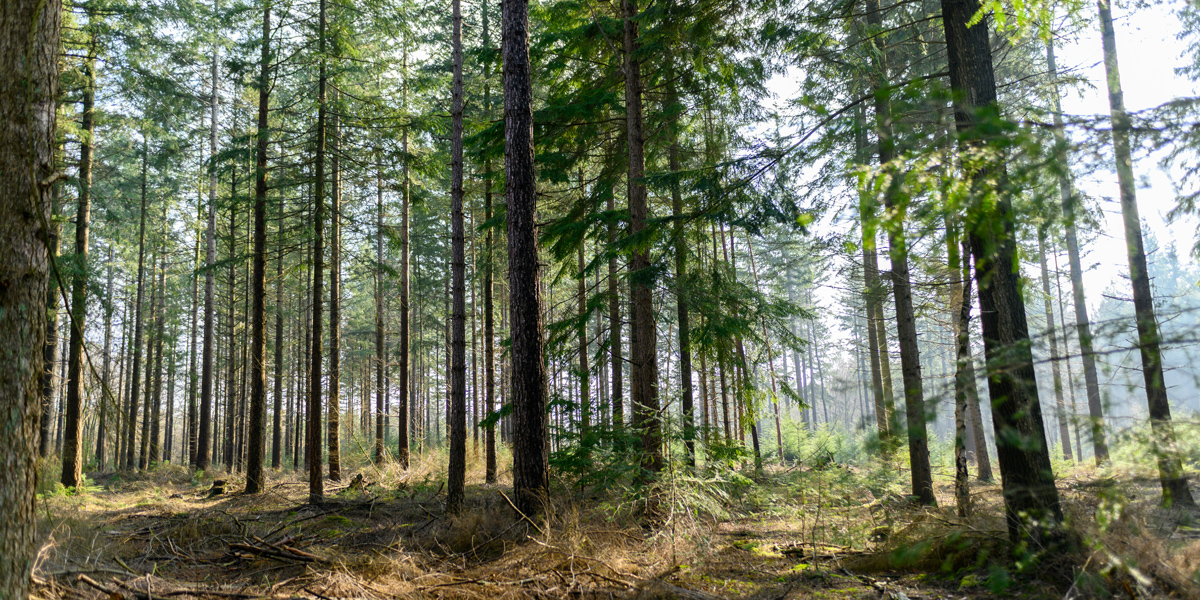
point(457, 416)
point(906, 326)
point(404, 383)
point(585, 398)
point(193, 409)
point(255, 479)
point(616, 361)
point(107, 398)
point(961, 318)
point(204, 433)
point(50, 349)
point(72, 456)
point(316, 488)
point(136, 376)
point(681, 304)
point(1170, 467)
point(1083, 326)
point(1060, 412)
point(489, 321)
point(277, 433)
point(379, 354)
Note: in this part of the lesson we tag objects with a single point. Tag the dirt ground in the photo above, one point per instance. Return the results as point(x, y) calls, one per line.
point(797, 534)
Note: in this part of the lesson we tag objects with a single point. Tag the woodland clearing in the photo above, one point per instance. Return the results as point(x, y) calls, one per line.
point(799, 532)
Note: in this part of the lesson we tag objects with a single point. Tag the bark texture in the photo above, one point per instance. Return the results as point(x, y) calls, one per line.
point(1030, 498)
point(530, 442)
point(29, 33)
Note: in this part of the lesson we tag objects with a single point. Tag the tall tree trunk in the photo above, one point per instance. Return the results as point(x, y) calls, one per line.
point(108, 399)
point(645, 364)
point(29, 57)
point(1062, 322)
point(959, 256)
point(531, 482)
point(489, 321)
point(906, 325)
point(72, 458)
point(316, 487)
point(255, 479)
point(960, 318)
point(204, 432)
point(1083, 326)
point(1060, 412)
point(154, 411)
point(380, 364)
point(136, 376)
point(457, 416)
point(231, 388)
point(1170, 467)
point(277, 439)
point(404, 381)
point(616, 361)
point(868, 222)
point(585, 397)
point(335, 296)
point(1030, 498)
point(681, 304)
point(193, 409)
point(50, 349)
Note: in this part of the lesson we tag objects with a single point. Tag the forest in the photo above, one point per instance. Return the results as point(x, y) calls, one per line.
point(696, 299)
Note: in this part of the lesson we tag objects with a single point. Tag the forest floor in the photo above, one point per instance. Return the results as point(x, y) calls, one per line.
point(795, 533)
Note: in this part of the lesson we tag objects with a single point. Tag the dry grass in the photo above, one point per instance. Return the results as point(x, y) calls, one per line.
point(836, 533)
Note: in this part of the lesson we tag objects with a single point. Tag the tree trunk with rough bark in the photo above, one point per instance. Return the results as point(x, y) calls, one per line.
point(255, 478)
point(1030, 498)
point(72, 456)
point(204, 431)
point(457, 416)
point(29, 55)
point(645, 363)
point(531, 478)
point(316, 486)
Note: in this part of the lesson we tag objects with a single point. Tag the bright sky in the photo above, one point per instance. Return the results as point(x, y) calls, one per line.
point(1149, 53)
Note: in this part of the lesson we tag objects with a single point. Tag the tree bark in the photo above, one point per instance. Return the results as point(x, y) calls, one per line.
point(29, 54)
point(404, 381)
point(906, 326)
point(645, 364)
point(136, 376)
point(531, 481)
point(72, 458)
point(255, 479)
point(1170, 467)
point(204, 432)
point(1031, 500)
point(455, 488)
point(316, 487)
